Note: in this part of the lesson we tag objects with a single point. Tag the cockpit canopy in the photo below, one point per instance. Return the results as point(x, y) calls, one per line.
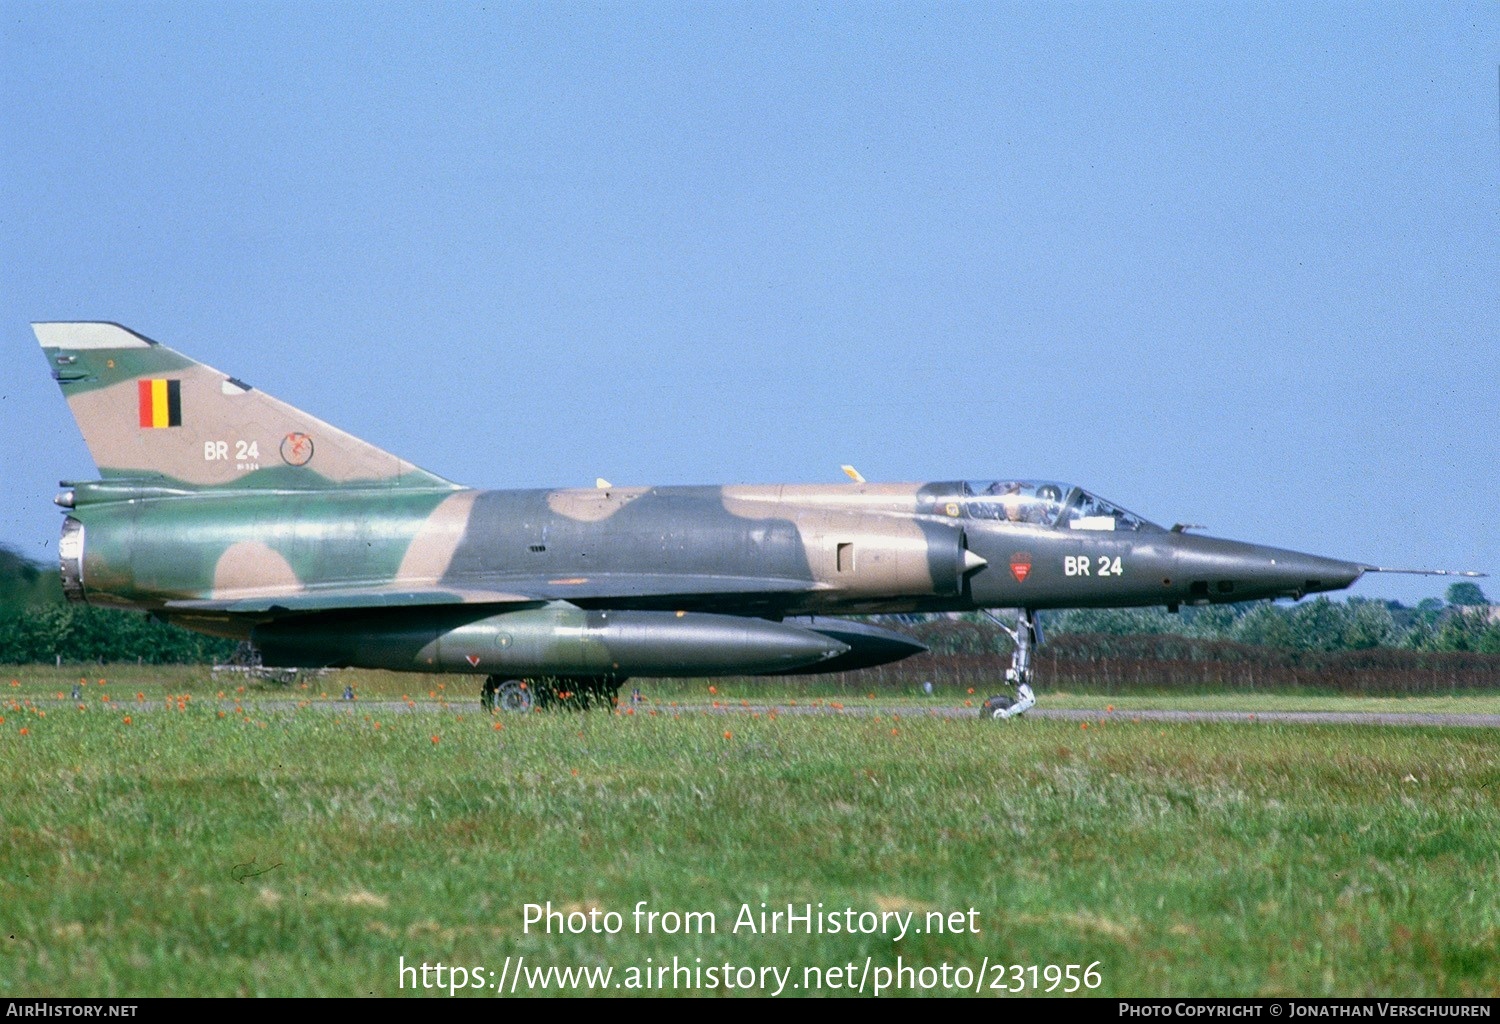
point(1046, 503)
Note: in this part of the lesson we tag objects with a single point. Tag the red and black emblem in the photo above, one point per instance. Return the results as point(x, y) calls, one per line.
point(1020, 565)
point(296, 449)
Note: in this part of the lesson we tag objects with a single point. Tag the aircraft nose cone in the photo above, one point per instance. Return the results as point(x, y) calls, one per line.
point(1315, 573)
point(1221, 570)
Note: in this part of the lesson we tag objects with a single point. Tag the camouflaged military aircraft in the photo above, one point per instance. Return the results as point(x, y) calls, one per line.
point(226, 511)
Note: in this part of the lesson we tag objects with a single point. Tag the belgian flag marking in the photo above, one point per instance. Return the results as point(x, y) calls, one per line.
point(161, 403)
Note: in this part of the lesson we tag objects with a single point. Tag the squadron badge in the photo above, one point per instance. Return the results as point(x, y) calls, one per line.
point(296, 449)
point(1020, 565)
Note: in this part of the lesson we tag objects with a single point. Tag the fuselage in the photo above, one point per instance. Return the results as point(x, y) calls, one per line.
point(225, 560)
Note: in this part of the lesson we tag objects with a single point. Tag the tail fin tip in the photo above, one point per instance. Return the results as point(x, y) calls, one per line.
point(88, 334)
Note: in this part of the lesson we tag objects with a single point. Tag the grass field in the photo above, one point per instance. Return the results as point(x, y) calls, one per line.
point(161, 848)
point(154, 682)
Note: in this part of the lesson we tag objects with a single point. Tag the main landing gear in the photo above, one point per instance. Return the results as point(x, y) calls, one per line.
point(523, 695)
point(1027, 636)
point(506, 695)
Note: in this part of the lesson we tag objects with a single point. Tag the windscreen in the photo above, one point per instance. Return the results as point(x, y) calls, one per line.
point(1087, 511)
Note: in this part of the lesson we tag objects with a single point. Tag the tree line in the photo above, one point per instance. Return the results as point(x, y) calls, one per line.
point(1464, 623)
point(37, 625)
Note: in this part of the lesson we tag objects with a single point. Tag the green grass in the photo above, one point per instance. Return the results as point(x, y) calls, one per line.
point(124, 681)
point(1469, 704)
point(304, 852)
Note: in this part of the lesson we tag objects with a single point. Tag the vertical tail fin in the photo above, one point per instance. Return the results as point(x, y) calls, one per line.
point(147, 412)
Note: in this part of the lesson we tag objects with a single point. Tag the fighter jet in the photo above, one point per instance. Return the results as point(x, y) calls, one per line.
point(224, 510)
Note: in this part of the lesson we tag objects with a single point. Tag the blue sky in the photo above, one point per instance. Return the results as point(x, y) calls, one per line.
point(1234, 264)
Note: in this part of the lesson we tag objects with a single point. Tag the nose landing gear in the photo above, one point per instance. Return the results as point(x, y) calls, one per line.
point(1027, 636)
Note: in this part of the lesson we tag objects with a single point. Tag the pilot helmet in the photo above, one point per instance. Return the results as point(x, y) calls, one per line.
point(1010, 500)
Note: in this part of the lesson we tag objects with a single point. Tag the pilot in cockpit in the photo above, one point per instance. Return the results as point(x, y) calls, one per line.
point(1013, 503)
